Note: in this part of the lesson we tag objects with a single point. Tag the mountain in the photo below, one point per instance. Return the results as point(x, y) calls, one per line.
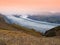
point(12, 34)
point(18, 16)
point(25, 24)
point(7, 26)
point(53, 32)
point(52, 18)
point(38, 26)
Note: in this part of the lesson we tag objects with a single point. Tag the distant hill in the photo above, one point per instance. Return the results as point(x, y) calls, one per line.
point(18, 16)
point(53, 32)
point(5, 26)
point(17, 35)
point(52, 18)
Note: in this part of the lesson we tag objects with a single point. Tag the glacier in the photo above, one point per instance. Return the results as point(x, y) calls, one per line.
point(38, 26)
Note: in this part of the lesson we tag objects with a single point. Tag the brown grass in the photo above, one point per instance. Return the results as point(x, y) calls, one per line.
point(17, 35)
point(27, 30)
point(20, 38)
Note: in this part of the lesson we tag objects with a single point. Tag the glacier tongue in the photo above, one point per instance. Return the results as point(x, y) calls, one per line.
point(37, 25)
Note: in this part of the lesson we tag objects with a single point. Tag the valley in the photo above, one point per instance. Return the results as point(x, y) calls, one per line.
point(12, 34)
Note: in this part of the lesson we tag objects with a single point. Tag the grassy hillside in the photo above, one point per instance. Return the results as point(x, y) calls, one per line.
point(15, 27)
point(9, 37)
point(17, 35)
point(4, 25)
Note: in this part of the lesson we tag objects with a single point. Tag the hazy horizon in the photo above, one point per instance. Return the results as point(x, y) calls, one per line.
point(29, 6)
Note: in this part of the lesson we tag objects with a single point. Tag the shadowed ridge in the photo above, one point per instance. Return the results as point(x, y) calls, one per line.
point(53, 32)
point(6, 26)
point(2, 18)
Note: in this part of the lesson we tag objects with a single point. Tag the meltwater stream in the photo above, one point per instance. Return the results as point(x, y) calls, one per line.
point(32, 24)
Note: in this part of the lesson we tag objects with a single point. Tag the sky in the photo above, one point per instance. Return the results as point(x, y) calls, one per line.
point(29, 6)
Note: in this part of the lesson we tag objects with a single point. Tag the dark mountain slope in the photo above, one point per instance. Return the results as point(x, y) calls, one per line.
point(53, 32)
point(4, 25)
point(53, 18)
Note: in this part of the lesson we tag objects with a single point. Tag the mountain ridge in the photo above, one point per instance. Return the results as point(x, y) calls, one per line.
point(9, 35)
point(54, 18)
point(40, 27)
point(7, 26)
